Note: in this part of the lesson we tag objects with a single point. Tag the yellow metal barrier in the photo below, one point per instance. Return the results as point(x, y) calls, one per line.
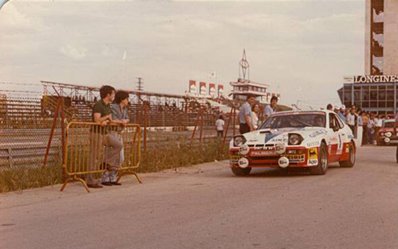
point(88, 151)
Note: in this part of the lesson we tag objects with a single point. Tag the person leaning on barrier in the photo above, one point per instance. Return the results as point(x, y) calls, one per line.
point(120, 117)
point(102, 116)
point(245, 123)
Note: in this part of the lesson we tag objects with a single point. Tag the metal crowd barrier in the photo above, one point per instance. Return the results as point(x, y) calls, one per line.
point(87, 151)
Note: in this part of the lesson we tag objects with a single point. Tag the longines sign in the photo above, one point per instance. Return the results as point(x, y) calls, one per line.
point(375, 79)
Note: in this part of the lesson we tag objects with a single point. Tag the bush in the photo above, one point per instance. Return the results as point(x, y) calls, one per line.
point(170, 155)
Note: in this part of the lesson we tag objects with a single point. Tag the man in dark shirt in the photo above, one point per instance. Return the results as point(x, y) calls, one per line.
point(102, 115)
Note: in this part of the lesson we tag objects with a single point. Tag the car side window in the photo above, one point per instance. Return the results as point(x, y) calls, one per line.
point(341, 125)
point(333, 123)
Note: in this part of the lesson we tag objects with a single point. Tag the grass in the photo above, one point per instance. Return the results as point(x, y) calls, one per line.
point(169, 155)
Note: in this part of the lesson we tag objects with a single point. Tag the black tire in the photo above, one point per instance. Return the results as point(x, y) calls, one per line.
point(241, 172)
point(351, 160)
point(323, 162)
point(396, 155)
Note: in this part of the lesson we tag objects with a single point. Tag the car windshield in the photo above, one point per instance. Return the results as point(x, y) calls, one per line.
point(389, 124)
point(295, 120)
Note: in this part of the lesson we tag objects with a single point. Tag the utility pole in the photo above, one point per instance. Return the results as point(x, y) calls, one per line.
point(140, 86)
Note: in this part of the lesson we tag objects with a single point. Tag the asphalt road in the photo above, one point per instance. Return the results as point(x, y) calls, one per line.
point(206, 207)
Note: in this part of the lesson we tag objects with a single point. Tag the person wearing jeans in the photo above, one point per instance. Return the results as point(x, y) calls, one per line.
point(115, 156)
point(102, 116)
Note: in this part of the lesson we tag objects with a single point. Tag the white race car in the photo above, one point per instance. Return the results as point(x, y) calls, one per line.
point(301, 139)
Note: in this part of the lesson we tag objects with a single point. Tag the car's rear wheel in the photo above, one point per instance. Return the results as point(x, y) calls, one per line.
point(323, 162)
point(351, 160)
point(240, 171)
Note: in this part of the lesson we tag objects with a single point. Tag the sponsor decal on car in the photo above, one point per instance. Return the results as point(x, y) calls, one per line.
point(317, 133)
point(262, 153)
point(312, 156)
point(312, 144)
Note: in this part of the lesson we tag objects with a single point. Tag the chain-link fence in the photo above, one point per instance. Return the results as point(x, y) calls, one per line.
point(172, 137)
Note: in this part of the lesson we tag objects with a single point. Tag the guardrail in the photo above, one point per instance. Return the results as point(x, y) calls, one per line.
point(90, 151)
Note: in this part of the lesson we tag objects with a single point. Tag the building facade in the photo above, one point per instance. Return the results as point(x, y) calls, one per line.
point(381, 37)
point(376, 91)
point(372, 93)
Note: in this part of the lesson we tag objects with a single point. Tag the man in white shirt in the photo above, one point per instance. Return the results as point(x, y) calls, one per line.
point(271, 108)
point(220, 126)
point(245, 123)
point(351, 119)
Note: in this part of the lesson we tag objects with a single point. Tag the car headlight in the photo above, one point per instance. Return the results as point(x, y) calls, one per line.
point(239, 141)
point(244, 149)
point(388, 134)
point(295, 139)
point(280, 148)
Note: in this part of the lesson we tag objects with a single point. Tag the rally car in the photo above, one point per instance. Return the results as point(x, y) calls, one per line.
point(301, 139)
point(386, 134)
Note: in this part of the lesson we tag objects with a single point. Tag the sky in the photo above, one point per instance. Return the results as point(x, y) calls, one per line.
point(301, 48)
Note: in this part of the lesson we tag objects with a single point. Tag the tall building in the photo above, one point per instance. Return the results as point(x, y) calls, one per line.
point(377, 90)
point(381, 37)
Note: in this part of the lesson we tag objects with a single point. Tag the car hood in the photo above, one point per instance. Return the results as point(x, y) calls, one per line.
point(273, 136)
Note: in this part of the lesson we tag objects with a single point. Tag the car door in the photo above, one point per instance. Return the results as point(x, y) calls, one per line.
point(335, 138)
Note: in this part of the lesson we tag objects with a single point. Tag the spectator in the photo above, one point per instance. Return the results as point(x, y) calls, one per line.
point(120, 117)
point(365, 121)
point(102, 116)
point(254, 115)
point(371, 129)
point(341, 113)
point(245, 124)
point(271, 108)
point(351, 119)
point(329, 107)
point(220, 126)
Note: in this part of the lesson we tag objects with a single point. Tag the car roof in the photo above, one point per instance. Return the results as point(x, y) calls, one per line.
point(302, 112)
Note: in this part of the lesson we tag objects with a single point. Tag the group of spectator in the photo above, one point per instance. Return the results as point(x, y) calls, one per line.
point(110, 109)
point(355, 117)
point(251, 115)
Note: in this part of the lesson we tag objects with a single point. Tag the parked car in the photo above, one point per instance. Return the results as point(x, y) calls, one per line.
point(300, 139)
point(386, 134)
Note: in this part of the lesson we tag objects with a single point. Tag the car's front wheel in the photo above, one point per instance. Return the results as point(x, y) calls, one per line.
point(240, 171)
point(323, 162)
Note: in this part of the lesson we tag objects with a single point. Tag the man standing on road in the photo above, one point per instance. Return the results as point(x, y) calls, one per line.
point(352, 119)
point(245, 122)
point(271, 108)
point(220, 126)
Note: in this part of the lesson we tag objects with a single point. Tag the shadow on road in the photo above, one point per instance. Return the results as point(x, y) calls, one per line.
point(276, 172)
